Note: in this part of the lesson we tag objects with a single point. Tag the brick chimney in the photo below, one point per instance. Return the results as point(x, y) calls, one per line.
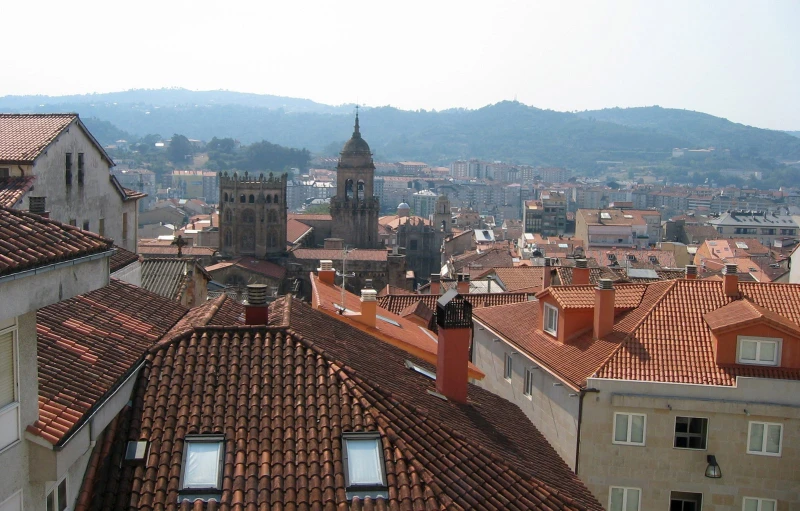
point(463, 283)
point(436, 285)
point(325, 272)
point(730, 280)
point(603, 308)
point(256, 311)
point(691, 272)
point(546, 273)
point(369, 305)
point(454, 319)
point(581, 272)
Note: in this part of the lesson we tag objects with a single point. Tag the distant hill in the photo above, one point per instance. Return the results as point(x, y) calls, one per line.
point(793, 133)
point(702, 130)
point(508, 131)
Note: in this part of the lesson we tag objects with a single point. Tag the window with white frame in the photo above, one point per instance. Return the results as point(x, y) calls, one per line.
point(624, 499)
point(13, 503)
point(57, 497)
point(508, 366)
point(758, 351)
point(528, 390)
point(690, 432)
point(202, 463)
point(9, 384)
point(365, 473)
point(550, 319)
point(756, 504)
point(685, 501)
point(764, 438)
point(629, 428)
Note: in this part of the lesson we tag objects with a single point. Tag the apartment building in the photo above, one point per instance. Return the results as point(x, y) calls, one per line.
point(633, 228)
point(680, 394)
point(197, 183)
point(763, 226)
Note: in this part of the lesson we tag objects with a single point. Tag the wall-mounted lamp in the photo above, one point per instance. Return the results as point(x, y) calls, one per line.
point(746, 412)
point(669, 406)
point(712, 470)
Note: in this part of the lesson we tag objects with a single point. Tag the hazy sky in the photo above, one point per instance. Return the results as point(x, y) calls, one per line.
point(735, 59)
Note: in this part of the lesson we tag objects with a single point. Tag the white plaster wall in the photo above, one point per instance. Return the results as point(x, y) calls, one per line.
point(550, 408)
point(132, 274)
point(97, 198)
point(658, 468)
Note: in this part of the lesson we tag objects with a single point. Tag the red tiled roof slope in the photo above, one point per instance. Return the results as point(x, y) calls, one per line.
point(396, 303)
point(528, 278)
point(13, 188)
point(87, 344)
point(295, 229)
point(24, 136)
point(626, 296)
point(28, 241)
point(122, 258)
point(336, 255)
point(292, 391)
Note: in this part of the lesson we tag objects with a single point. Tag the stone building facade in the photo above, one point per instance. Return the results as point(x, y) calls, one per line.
point(253, 215)
point(355, 208)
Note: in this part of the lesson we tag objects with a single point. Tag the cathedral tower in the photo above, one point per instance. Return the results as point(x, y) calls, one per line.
point(355, 209)
point(252, 215)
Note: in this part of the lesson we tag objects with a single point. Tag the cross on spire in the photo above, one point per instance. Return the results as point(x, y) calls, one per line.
point(356, 131)
point(180, 243)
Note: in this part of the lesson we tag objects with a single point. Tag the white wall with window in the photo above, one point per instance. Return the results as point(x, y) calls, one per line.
point(9, 385)
point(756, 504)
point(764, 438)
point(57, 496)
point(550, 319)
point(629, 428)
point(508, 366)
point(690, 432)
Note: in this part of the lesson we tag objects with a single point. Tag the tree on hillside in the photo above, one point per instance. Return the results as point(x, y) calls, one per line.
point(179, 149)
point(222, 145)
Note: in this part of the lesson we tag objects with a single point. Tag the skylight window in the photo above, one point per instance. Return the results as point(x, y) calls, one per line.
point(364, 466)
point(605, 216)
point(136, 450)
point(421, 370)
point(202, 463)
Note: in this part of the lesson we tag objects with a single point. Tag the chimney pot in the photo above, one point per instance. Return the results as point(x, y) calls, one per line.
point(730, 280)
point(325, 272)
point(581, 274)
point(256, 311)
point(691, 271)
point(454, 319)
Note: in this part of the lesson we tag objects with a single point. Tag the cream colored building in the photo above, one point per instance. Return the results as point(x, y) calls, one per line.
point(646, 389)
point(73, 181)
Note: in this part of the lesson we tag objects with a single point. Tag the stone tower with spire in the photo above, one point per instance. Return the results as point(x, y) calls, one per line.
point(355, 209)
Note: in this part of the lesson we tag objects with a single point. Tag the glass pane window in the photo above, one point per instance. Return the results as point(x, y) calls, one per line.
point(624, 499)
point(756, 504)
point(509, 367)
point(690, 432)
point(550, 319)
point(759, 351)
point(528, 391)
point(363, 454)
point(748, 350)
point(202, 465)
point(764, 438)
point(57, 497)
point(629, 428)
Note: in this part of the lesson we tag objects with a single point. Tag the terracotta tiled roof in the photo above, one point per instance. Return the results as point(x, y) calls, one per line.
point(28, 241)
point(642, 257)
point(13, 188)
point(564, 274)
point(302, 217)
point(122, 258)
point(672, 342)
point(169, 277)
point(626, 296)
point(493, 258)
point(336, 255)
point(133, 194)
point(298, 389)
point(389, 289)
point(295, 230)
point(86, 347)
point(396, 303)
point(741, 313)
point(519, 278)
point(24, 136)
point(259, 266)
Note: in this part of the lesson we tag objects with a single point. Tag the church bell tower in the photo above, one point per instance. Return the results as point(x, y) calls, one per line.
point(355, 209)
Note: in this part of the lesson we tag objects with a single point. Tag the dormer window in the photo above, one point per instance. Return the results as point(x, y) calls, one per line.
point(550, 319)
point(365, 475)
point(763, 351)
point(202, 465)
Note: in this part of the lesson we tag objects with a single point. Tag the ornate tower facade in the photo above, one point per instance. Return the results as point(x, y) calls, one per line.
point(355, 209)
point(252, 215)
point(442, 216)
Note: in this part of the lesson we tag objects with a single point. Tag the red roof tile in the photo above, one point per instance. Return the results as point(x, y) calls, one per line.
point(28, 241)
point(13, 188)
point(626, 296)
point(122, 258)
point(88, 344)
point(396, 303)
point(282, 396)
point(24, 136)
point(295, 230)
point(321, 254)
point(519, 278)
point(260, 266)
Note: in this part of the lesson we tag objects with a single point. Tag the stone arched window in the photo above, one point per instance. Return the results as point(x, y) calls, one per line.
point(247, 241)
point(272, 216)
point(228, 238)
point(272, 240)
point(233, 199)
point(225, 197)
point(242, 199)
point(360, 190)
point(269, 199)
point(348, 189)
point(252, 199)
point(276, 199)
point(228, 216)
point(248, 216)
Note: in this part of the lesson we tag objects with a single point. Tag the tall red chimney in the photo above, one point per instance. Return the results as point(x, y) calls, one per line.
point(546, 275)
point(463, 283)
point(435, 288)
point(325, 272)
point(581, 273)
point(603, 308)
point(730, 280)
point(256, 310)
point(454, 319)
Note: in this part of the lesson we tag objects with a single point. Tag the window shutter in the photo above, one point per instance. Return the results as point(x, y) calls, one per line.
point(7, 369)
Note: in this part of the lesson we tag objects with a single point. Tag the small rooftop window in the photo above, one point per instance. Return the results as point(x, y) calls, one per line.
point(202, 464)
point(421, 370)
point(136, 450)
point(605, 216)
point(364, 467)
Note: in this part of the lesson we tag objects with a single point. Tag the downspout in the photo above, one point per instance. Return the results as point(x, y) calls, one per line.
point(583, 392)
